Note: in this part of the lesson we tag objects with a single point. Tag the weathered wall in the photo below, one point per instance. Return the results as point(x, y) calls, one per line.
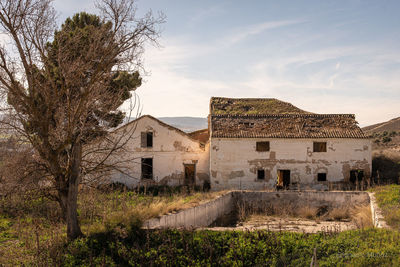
point(234, 161)
point(171, 149)
point(199, 216)
point(377, 216)
point(336, 199)
point(207, 213)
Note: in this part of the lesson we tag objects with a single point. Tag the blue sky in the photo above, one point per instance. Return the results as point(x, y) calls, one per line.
point(322, 56)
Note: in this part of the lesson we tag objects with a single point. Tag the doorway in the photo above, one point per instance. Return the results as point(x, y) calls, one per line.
point(283, 179)
point(147, 168)
point(356, 175)
point(190, 174)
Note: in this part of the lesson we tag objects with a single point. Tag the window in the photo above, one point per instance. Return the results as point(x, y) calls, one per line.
point(319, 147)
point(321, 177)
point(147, 139)
point(262, 146)
point(260, 174)
point(147, 168)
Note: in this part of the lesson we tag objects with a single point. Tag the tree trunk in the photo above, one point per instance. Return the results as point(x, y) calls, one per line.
point(73, 228)
point(62, 200)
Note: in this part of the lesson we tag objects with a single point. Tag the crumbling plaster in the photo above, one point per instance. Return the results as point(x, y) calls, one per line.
point(171, 150)
point(230, 156)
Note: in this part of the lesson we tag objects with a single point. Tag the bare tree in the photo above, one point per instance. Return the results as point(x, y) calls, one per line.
point(62, 88)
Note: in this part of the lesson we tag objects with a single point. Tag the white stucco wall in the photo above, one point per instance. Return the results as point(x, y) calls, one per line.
point(171, 149)
point(234, 161)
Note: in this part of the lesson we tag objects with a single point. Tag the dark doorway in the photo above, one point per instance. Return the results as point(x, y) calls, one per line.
point(356, 175)
point(321, 177)
point(147, 168)
point(283, 179)
point(190, 174)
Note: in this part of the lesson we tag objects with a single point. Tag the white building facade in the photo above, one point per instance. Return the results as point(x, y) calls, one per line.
point(164, 155)
point(235, 163)
point(251, 144)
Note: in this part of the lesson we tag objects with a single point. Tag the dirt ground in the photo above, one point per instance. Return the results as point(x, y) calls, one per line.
point(272, 223)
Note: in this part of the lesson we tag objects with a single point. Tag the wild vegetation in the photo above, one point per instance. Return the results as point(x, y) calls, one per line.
point(240, 106)
point(32, 233)
point(384, 137)
point(360, 215)
point(31, 225)
point(62, 87)
point(386, 167)
point(388, 198)
point(259, 248)
point(388, 126)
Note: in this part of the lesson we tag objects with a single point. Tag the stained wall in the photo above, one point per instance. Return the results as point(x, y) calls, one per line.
point(234, 162)
point(170, 151)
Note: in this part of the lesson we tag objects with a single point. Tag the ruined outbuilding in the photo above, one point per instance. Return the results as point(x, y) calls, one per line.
point(164, 155)
point(254, 143)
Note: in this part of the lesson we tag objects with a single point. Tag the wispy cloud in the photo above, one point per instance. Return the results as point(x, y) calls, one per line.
point(241, 33)
point(342, 85)
point(308, 68)
point(207, 12)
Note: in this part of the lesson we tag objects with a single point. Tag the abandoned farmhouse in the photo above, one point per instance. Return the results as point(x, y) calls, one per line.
point(251, 143)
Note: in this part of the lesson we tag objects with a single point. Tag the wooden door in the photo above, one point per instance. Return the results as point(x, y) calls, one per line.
point(190, 174)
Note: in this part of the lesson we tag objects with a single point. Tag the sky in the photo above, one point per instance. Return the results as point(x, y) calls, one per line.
point(321, 56)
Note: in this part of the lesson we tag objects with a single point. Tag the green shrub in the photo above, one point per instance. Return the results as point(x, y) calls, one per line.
point(371, 247)
point(388, 199)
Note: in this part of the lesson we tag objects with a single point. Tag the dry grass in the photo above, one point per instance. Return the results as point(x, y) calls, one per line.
point(281, 209)
point(362, 217)
point(307, 212)
point(253, 106)
point(338, 214)
point(30, 230)
point(100, 210)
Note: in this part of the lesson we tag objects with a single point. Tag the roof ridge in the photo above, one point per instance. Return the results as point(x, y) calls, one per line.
point(248, 98)
point(160, 122)
point(285, 115)
point(224, 105)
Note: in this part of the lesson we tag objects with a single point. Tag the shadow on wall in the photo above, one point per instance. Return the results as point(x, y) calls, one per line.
point(386, 167)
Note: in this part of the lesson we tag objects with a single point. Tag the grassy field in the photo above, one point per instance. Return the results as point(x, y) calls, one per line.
point(30, 227)
point(31, 234)
point(388, 198)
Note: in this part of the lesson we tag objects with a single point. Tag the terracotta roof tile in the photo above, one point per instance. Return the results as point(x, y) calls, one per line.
point(286, 126)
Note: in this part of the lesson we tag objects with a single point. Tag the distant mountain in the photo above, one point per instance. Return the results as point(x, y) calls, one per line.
point(385, 135)
point(389, 126)
point(186, 124)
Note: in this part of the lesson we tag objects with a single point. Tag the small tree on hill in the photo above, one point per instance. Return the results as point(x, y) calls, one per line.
point(64, 87)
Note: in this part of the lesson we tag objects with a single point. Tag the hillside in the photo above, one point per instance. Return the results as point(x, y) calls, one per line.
point(391, 125)
point(385, 135)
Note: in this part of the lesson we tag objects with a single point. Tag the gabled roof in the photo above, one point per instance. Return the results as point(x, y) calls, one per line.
point(272, 118)
point(163, 124)
point(251, 106)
